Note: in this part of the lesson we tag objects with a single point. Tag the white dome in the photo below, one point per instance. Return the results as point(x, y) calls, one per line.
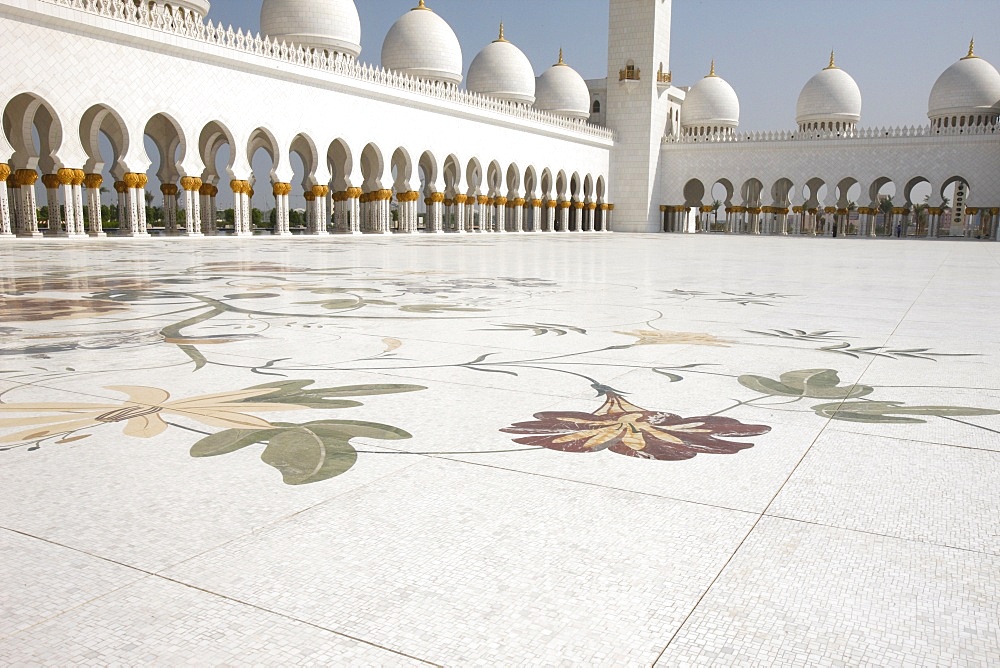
point(331, 25)
point(501, 70)
point(830, 96)
point(711, 102)
point(562, 91)
point(422, 44)
point(969, 87)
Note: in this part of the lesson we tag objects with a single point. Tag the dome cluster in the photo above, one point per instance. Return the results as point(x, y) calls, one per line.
point(421, 44)
point(967, 94)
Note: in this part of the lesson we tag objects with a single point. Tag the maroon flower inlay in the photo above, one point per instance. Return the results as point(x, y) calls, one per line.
point(626, 429)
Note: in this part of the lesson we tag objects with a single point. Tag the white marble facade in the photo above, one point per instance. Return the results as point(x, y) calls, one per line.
point(412, 141)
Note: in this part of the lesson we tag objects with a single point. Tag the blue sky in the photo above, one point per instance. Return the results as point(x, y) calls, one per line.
point(767, 50)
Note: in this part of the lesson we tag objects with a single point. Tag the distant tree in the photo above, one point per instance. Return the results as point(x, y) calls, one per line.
point(229, 215)
point(273, 217)
point(716, 205)
point(920, 215)
point(43, 213)
point(886, 206)
point(295, 218)
point(256, 217)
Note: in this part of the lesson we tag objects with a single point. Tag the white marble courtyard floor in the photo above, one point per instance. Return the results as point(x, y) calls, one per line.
point(481, 451)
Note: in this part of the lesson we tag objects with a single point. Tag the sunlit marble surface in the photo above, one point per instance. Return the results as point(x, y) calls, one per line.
point(499, 450)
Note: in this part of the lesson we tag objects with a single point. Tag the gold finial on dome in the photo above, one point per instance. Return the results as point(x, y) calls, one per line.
point(421, 5)
point(561, 61)
point(833, 61)
point(972, 50)
point(711, 72)
point(501, 37)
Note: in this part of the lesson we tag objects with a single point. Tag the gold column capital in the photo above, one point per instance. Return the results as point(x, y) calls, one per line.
point(353, 193)
point(461, 199)
point(93, 180)
point(437, 198)
point(4, 171)
point(134, 180)
point(25, 177)
point(483, 199)
point(536, 203)
point(66, 176)
point(50, 181)
point(191, 183)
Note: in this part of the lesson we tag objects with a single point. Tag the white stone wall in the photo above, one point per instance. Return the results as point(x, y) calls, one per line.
point(72, 60)
point(901, 159)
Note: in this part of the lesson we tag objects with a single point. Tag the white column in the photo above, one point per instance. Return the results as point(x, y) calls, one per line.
point(236, 186)
point(319, 194)
point(578, 216)
point(564, 208)
point(93, 183)
point(460, 203)
point(135, 204)
point(434, 212)
point(482, 204)
point(500, 207)
point(280, 190)
point(518, 211)
point(247, 209)
point(536, 215)
point(26, 179)
point(6, 219)
point(353, 207)
point(51, 184)
point(194, 225)
point(550, 215)
point(69, 180)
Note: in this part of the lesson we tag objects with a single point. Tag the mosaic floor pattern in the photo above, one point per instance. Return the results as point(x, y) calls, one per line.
point(601, 450)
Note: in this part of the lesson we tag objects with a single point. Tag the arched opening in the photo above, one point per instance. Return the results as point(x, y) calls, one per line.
point(263, 156)
point(215, 147)
point(310, 213)
point(340, 162)
point(105, 140)
point(165, 145)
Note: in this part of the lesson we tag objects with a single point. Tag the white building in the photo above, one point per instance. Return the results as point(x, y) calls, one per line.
point(411, 147)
